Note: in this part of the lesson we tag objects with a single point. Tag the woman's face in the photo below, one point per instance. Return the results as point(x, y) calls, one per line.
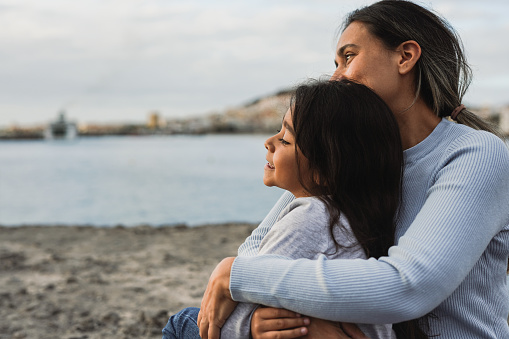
point(363, 58)
point(281, 169)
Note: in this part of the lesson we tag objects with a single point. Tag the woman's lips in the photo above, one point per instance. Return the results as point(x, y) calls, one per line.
point(269, 166)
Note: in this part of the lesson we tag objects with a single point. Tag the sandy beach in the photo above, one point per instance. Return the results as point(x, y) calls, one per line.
point(88, 282)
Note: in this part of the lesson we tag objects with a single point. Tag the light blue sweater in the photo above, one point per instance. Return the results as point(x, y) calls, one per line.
point(450, 257)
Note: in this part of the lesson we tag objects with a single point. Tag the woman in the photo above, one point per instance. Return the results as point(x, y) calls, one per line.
point(452, 239)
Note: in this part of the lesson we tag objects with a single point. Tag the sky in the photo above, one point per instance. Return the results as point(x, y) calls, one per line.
point(109, 61)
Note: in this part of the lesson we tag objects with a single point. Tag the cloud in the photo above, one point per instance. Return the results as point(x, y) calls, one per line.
point(118, 59)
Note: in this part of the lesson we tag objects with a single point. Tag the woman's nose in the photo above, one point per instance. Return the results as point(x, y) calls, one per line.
point(337, 75)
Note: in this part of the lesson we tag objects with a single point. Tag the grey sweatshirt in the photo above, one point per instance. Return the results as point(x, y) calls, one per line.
point(302, 231)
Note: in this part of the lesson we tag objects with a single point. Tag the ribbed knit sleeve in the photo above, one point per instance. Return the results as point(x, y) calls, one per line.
point(461, 214)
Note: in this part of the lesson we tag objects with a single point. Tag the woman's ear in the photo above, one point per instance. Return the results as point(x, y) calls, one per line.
point(409, 53)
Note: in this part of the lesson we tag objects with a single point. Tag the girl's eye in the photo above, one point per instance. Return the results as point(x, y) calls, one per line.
point(284, 142)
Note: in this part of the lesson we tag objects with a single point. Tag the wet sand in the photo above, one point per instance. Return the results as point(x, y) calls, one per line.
point(87, 282)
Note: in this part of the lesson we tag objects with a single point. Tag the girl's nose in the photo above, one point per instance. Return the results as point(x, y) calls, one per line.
point(269, 145)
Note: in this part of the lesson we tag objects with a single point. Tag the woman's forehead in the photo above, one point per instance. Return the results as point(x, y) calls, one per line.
point(358, 34)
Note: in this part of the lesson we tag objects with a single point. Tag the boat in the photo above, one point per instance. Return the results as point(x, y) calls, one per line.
point(61, 129)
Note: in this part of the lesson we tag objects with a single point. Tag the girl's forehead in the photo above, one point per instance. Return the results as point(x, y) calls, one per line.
point(288, 115)
point(287, 121)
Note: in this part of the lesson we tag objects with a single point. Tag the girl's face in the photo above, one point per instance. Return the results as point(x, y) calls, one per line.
point(363, 58)
point(282, 169)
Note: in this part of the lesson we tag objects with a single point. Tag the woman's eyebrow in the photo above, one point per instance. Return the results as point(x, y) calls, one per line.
point(341, 50)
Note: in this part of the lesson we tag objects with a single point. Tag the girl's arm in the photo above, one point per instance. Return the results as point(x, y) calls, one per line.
point(464, 209)
point(252, 243)
point(301, 232)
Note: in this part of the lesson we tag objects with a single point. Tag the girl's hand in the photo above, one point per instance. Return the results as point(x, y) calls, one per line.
point(326, 329)
point(217, 304)
point(272, 323)
point(268, 322)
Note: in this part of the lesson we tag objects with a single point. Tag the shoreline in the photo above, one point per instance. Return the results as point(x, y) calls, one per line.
point(122, 226)
point(86, 281)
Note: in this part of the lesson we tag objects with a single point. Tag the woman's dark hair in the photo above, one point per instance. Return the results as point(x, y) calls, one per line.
point(355, 161)
point(442, 72)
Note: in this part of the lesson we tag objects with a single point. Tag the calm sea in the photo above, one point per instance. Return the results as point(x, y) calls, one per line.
point(156, 180)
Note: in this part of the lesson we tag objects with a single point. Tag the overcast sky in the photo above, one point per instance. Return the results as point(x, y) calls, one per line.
point(117, 60)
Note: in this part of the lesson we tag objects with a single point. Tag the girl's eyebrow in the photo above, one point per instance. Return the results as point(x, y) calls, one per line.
point(288, 127)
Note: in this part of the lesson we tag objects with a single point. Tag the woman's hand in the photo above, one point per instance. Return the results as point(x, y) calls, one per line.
point(217, 304)
point(272, 323)
point(268, 322)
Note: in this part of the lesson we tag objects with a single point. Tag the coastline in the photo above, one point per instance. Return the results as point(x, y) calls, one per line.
point(104, 282)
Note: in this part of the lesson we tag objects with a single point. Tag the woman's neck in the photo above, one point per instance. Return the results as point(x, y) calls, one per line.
point(416, 124)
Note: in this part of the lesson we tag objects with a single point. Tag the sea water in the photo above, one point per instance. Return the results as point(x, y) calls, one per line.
point(155, 180)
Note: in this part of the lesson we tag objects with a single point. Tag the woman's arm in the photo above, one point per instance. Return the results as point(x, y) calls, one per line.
point(465, 208)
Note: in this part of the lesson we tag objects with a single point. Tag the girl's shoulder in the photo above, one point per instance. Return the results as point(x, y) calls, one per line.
point(308, 207)
point(314, 212)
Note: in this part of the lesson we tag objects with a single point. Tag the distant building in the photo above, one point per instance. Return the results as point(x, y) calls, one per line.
point(61, 129)
point(154, 120)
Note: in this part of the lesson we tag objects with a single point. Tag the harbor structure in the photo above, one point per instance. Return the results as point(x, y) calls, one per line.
point(61, 129)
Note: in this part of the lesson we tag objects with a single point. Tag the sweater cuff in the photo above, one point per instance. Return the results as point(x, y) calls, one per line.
point(236, 278)
point(252, 278)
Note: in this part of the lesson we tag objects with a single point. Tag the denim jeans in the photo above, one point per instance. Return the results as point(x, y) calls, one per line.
point(183, 325)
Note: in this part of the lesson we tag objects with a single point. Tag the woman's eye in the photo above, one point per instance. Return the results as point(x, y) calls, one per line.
point(348, 56)
point(284, 142)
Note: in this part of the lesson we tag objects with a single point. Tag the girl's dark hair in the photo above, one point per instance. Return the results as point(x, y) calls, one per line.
point(353, 146)
point(442, 72)
point(355, 162)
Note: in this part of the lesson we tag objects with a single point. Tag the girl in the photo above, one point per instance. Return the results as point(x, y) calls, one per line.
point(339, 153)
